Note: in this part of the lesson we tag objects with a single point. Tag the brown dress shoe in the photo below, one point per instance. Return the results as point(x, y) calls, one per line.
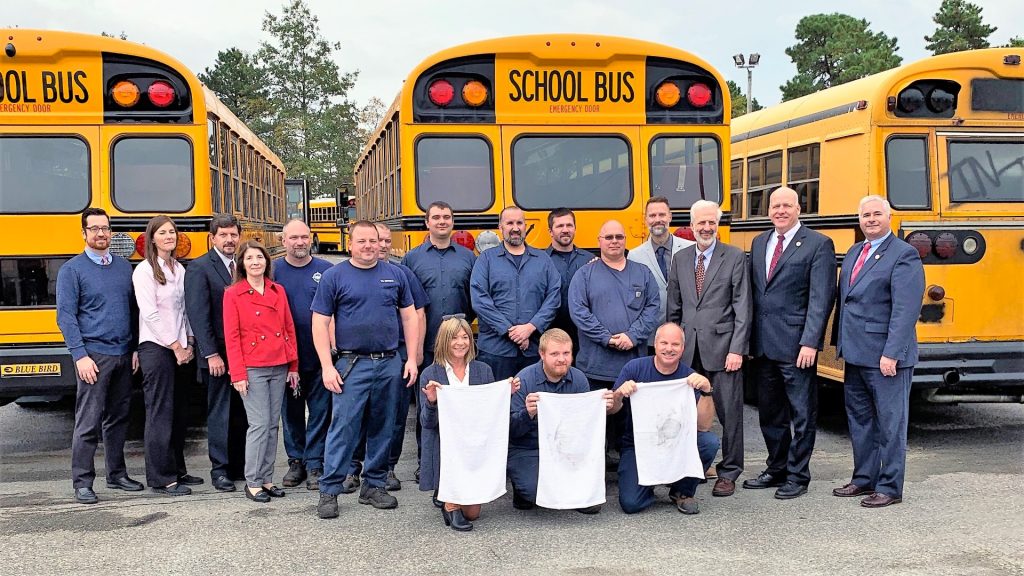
point(879, 500)
point(723, 487)
point(851, 489)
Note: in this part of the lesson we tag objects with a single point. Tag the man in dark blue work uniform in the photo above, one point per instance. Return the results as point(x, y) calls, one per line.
point(567, 259)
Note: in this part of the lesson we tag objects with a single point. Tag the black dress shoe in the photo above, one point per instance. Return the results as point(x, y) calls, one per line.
point(173, 490)
point(189, 480)
point(85, 496)
point(436, 502)
point(520, 503)
point(790, 490)
point(259, 495)
point(125, 483)
point(274, 491)
point(456, 520)
point(764, 480)
point(223, 484)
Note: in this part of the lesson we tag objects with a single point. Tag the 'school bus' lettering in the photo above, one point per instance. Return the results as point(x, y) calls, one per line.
point(571, 86)
point(45, 86)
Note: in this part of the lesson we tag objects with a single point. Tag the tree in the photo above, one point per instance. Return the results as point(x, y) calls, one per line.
point(960, 28)
point(313, 123)
point(833, 49)
point(739, 100)
point(242, 84)
point(121, 36)
point(1016, 42)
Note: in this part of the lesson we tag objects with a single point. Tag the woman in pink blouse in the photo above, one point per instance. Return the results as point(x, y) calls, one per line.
point(165, 356)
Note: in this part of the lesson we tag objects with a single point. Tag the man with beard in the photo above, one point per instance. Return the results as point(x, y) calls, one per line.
point(515, 290)
point(709, 298)
point(658, 251)
point(94, 312)
point(299, 273)
point(567, 259)
point(205, 280)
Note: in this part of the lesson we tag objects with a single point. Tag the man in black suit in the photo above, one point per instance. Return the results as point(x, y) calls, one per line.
point(794, 278)
point(205, 280)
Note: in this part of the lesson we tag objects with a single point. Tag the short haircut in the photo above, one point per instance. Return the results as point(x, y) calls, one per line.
point(501, 215)
point(670, 326)
point(886, 207)
point(447, 332)
point(382, 226)
point(240, 273)
point(554, 335)
point(702, 204)
point(441, 204)
point(294, 221)
point(364, 224)
point(558, 213)
point(224, 221)
point(93, 212)
point(657, 200)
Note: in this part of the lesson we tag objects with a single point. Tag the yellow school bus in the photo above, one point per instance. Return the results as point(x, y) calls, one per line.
point(88, 121)
point(325, 232)
point(943, 140)
point(596, 124)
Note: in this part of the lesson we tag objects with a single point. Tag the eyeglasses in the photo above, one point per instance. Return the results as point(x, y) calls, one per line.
point(459, 316)
point(611, 237)
point(98, 229)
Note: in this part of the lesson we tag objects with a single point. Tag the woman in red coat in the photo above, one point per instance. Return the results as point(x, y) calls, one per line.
point(260, 337)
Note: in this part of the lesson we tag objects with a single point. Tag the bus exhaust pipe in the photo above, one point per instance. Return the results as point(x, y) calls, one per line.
point(951, 377)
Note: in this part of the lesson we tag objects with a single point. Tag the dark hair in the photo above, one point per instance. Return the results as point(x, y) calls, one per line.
point(438, 204)
point(223, 221)
point(93, 212)
point(240, 273)
point(364, 224)
point(152, 256)
point(558, 213)
point(657, 200)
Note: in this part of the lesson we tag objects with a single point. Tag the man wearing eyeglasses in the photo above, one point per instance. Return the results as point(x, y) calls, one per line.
point(659, 249)
point(94, 312)
point(567, 259)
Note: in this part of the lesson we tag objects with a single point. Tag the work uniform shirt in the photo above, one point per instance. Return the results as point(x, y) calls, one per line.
point(522, 428)
point(258, 328)
point(419, 298)
point(363, 302)
point(300, 284)
point(444, 274)
point(644, 370)
point(567, 263)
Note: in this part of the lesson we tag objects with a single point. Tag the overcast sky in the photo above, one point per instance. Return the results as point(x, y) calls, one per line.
point(384, 39)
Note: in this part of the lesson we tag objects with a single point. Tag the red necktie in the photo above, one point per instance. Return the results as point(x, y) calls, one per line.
point(700, 273)
point(860, 262)
point(776, 256)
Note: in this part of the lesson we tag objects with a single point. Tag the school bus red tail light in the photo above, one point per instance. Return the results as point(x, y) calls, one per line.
point(125, 93)
point(464, 239)
point(698, 95)
point(161, 94)
point(946, 245)
point(686, 233)
point(474, 93)
point(936, 292)
point(921, 242)
point(184, 246)
point(667, 95)
point(140, 245)
point(441, 92)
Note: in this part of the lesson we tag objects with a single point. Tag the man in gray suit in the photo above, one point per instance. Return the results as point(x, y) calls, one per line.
point(709, 297)
point(656, 253)
point(793, 269)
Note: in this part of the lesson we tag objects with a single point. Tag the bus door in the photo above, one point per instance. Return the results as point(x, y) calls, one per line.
point(592, 170)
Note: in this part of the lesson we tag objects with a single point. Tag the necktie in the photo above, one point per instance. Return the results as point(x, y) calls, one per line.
point(104, 260)
point(860, 262)
point(700, 273)
point(662, 260)
point(231, 269)
point(776, 255)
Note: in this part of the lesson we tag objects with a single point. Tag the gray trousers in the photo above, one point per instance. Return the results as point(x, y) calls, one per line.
point(263, 410)
point(102, 409)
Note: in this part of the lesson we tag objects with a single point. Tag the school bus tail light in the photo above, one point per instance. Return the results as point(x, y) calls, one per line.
point(686, 233)
point(936, 293)
point(161, 94)
point(464, 239)
point(441, 92)
point(122, 244)
point(184, 246)
point(921, 242)
point(474, 93)
point(667, 95)
point(140, 245)
point(125, 93)
point(945, 245)
point(698, 95)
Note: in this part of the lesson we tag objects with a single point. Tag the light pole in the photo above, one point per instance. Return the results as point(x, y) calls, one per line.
point(751, 61)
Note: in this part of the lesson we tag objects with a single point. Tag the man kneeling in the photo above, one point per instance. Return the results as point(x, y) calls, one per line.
point(664, 365)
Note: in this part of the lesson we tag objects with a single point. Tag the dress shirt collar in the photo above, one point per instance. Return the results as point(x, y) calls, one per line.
point(97, 257)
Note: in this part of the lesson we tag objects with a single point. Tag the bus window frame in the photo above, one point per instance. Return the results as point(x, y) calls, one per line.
point(737, 211)
point(447, 135)
point(721, 162)
point(791, 183)
point(89, 175)
point(616, 135)
point(764, 188)
point(149, 136)
point(922, 136)
point(949, 141)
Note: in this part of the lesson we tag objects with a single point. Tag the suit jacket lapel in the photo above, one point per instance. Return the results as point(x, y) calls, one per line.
point(709, 273)
point(795, 244)
point(689, 278)
point(870, 262)
point(654, 265)
point(219, 266)
point(757, 250)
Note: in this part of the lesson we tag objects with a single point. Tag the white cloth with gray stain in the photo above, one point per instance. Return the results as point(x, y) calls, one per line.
point(570, 436)
point(665, 432)
point(473, 425)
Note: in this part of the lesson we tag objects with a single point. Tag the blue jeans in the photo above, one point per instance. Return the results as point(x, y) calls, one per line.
point(370, 387)
point(635, 498)
point(523, 466)
point(304, 440)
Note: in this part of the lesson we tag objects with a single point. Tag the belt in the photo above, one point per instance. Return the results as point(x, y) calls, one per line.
point(370, 355)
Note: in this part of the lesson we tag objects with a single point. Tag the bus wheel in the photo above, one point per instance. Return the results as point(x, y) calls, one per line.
point(315, 248)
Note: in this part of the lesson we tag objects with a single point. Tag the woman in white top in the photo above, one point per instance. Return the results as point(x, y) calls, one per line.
point(165, 356)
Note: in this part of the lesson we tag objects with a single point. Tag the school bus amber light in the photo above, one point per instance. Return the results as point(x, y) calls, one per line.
point(125, 93)
point(474, 93)
point(667, 95)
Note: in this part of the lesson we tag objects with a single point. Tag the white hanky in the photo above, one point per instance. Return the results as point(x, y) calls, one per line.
point(570, 433)
point(473, 425)
point(665, 432)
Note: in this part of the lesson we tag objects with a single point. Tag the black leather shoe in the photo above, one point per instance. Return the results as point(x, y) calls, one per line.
point(790, 490)
point(764, 480)
point(125, 483)
point(436, 502)
point(189, 480)
point(260, 495)
point(520, 503)
point(456, 520)
point(85, 496)
point(295, 475)
point(274, 491)
point(595, 509)
point(173, 490)
point(223, 484)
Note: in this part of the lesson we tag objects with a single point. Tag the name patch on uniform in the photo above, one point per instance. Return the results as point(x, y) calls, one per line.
point(387, 281)
point(316, 277)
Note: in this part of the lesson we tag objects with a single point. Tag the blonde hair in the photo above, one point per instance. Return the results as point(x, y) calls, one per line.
point(554, 335)
point(447, 332)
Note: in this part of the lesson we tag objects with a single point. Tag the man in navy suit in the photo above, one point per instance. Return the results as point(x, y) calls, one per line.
point(793, 270)
point(880, 290)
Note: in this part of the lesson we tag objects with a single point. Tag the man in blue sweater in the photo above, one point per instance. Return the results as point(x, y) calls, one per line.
point(94, 312)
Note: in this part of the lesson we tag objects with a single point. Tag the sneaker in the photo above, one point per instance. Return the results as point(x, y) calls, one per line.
point(295, 475)
point(313, 479)
point(327, 507)
point(392, 483)
point(378, 498)
point(350, 484)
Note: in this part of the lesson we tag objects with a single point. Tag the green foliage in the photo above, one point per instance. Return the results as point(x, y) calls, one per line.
point(959, 28)
point(1016, 42)
point(241, 83)
point(739, 100)
point(833, 49)
point(121, 36)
